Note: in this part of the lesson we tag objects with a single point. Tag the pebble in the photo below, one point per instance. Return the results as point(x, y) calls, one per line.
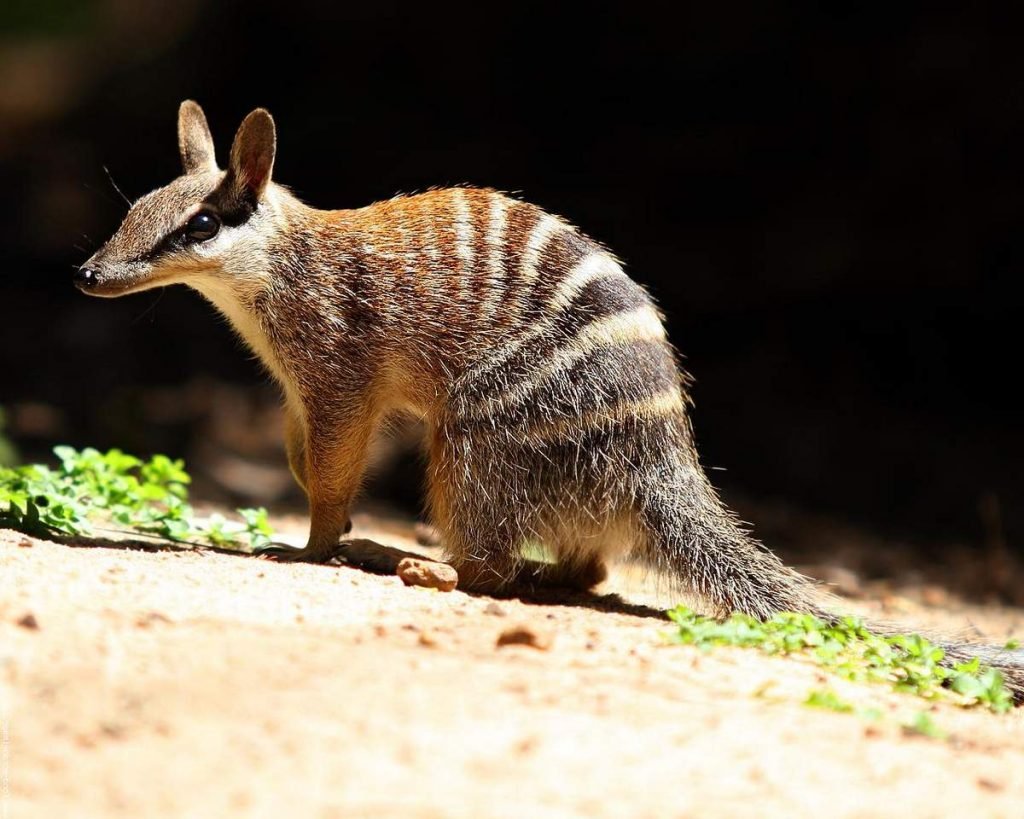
point(28, 621)
point(427, 639)
point(149, 618)
point(495, 610)
point(427, 573)
point(524, 635)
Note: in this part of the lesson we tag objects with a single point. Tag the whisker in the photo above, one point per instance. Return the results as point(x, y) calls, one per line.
point(150, 308)
point(106, 193)
point(112, 182)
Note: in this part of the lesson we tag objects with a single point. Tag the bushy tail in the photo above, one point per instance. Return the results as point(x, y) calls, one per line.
point(695, 539)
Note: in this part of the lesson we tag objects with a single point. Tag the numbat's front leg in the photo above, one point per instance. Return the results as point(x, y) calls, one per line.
point(333, 469)
point(284, 553)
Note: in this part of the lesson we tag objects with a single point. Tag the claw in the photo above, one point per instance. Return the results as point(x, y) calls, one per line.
point(274, 550)
point(282, 553)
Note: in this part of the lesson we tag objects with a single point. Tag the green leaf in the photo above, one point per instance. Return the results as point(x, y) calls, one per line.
point(114, 487)
point(921, 723)
point(907, 662)
point(828, 699)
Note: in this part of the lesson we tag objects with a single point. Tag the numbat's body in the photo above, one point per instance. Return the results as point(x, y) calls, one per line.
point(555, 409)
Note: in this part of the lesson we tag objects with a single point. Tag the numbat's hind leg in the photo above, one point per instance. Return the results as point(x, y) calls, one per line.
point(487, 504)
point(568, 575)
point(509, 577)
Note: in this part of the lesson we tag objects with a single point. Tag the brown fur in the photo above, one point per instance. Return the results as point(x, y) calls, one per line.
point(555, 409)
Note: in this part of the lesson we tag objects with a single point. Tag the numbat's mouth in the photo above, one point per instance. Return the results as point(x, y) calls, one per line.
point(93, 282)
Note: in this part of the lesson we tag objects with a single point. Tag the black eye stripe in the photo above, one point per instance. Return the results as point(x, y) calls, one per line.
point(229, 210)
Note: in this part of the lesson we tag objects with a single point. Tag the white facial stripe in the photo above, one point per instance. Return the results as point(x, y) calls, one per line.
point(219, 244)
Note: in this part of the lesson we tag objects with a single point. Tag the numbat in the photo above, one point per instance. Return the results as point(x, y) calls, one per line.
point(555, 408)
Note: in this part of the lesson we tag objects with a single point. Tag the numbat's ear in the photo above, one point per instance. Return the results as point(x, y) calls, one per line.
point(252, 153)
point(194, 140)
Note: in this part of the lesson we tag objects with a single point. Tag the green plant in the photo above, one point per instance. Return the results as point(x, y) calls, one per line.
point(828, 699)
point(90, 490)
point(906, 662)
point(921, 723)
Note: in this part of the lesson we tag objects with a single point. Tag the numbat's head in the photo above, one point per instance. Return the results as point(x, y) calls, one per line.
point(207, 228)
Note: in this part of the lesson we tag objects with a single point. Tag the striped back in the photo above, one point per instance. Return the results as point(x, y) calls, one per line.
point(537, 327)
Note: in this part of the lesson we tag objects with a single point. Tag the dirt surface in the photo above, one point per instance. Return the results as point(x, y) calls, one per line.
point(180, 683)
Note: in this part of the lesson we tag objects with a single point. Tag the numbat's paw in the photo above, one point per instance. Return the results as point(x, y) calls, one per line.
point(371, 556)
point(283, 553)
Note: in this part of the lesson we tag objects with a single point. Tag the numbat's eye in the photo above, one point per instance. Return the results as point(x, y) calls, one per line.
point(204, 225)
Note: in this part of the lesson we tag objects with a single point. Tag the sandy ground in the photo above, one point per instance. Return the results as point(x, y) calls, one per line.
point(163, 683)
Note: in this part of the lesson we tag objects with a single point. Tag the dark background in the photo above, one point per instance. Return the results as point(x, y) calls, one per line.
point(826, 204)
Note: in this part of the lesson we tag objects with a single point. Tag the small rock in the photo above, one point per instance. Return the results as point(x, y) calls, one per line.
point(151, 617)
point(524, 635)
point(25, 543)
point(495, 610)
point(427, 639)
point(28, 621)
point(428, 573)
point(989, 784)
point(427, 535)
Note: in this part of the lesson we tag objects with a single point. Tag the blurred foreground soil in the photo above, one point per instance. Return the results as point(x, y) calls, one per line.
point(138, 681)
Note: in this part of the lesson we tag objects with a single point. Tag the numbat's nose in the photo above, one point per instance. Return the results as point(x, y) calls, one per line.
point(85, 278)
